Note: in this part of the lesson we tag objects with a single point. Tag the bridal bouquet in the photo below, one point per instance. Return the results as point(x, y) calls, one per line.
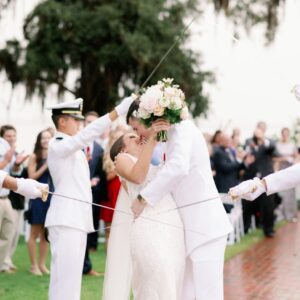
point(163, 100)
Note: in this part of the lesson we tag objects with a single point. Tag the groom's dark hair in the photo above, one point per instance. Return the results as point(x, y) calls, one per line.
point(132, 108)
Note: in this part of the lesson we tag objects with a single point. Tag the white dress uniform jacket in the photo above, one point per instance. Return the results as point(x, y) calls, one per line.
point(69, 169)
point(187, 175)
point(283, 180)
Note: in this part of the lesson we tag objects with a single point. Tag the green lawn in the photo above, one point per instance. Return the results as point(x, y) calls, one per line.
point(247, 241)
point(23, 285)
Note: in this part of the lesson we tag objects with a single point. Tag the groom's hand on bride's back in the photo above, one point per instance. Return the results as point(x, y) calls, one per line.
point(137, 207)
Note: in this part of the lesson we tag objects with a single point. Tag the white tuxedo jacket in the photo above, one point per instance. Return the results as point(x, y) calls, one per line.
point(283, 180)
point(70, 173)
point(187, 175)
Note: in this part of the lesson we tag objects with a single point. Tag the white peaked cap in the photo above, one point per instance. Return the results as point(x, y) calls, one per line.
point(69, 104)
point(70, 108)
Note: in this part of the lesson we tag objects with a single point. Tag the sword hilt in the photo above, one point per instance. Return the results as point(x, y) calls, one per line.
point(45, 192)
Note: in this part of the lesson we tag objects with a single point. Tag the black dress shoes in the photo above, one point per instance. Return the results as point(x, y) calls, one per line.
point(270, 234)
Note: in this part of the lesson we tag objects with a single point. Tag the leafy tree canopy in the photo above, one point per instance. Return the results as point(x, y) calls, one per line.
point(248, 13)
point(111, 47)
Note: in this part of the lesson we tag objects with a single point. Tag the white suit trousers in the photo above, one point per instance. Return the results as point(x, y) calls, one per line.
point(17, 217)
point(6, 231)
point(203, 279)
point(68, 247)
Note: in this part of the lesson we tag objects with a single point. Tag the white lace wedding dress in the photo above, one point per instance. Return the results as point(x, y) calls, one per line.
point(156, 249)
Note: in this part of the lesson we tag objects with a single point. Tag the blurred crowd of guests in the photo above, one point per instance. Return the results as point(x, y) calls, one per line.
point(231, 160)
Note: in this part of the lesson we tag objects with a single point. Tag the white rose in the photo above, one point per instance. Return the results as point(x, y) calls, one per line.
point(150, 98)
point(181, 94)
point(296, 91)
point(164, 102)
point(176, 103)
point(159, 111)
point(184, 113)
point(170, 92)
point(143, 114)
point(160, 84)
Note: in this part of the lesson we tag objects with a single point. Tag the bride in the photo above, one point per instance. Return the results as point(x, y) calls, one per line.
point(146, 255)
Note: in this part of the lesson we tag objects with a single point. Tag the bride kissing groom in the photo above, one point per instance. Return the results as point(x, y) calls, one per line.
point(184, 178)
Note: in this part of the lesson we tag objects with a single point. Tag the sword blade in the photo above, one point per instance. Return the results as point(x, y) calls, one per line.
point(179, 36)
point(91, 203)
point(125, 212)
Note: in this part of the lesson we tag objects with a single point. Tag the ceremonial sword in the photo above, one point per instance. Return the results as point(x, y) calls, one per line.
point(123, 212)
point(227, 196)
point(179, 36)
point(232, 197)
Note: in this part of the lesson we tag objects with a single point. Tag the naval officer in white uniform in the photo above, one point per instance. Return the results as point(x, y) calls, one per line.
point(69, 221)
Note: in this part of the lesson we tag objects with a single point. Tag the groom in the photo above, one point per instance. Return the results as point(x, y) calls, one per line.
point(187, 175)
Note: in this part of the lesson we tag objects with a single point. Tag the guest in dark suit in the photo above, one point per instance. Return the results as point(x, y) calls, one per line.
point(94, 155)
point(215, 140)
point(98, 180)
point(263, 150)
point(227, 166)
point(250, 208)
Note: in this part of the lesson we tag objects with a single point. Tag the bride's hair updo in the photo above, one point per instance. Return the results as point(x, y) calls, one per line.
point(117, 147)
point(132, 108)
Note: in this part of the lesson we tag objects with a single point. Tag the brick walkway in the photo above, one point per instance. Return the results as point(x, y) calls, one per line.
point(270, 270)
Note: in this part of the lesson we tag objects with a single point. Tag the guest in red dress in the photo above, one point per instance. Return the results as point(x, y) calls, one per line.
point(113, 187)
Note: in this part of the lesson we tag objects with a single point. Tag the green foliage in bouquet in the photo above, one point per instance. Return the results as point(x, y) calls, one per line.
point(173, 116)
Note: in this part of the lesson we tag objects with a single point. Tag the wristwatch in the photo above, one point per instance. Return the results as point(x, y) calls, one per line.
point(141, 199)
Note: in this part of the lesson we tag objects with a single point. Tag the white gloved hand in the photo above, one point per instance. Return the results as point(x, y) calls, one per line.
point(30, 188)
point(248, 190)
point(123, 107)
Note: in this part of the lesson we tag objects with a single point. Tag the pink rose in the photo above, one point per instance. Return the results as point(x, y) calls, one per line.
point(150, 98)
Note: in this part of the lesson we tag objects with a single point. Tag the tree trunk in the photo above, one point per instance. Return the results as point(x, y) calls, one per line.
point(98, 89)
